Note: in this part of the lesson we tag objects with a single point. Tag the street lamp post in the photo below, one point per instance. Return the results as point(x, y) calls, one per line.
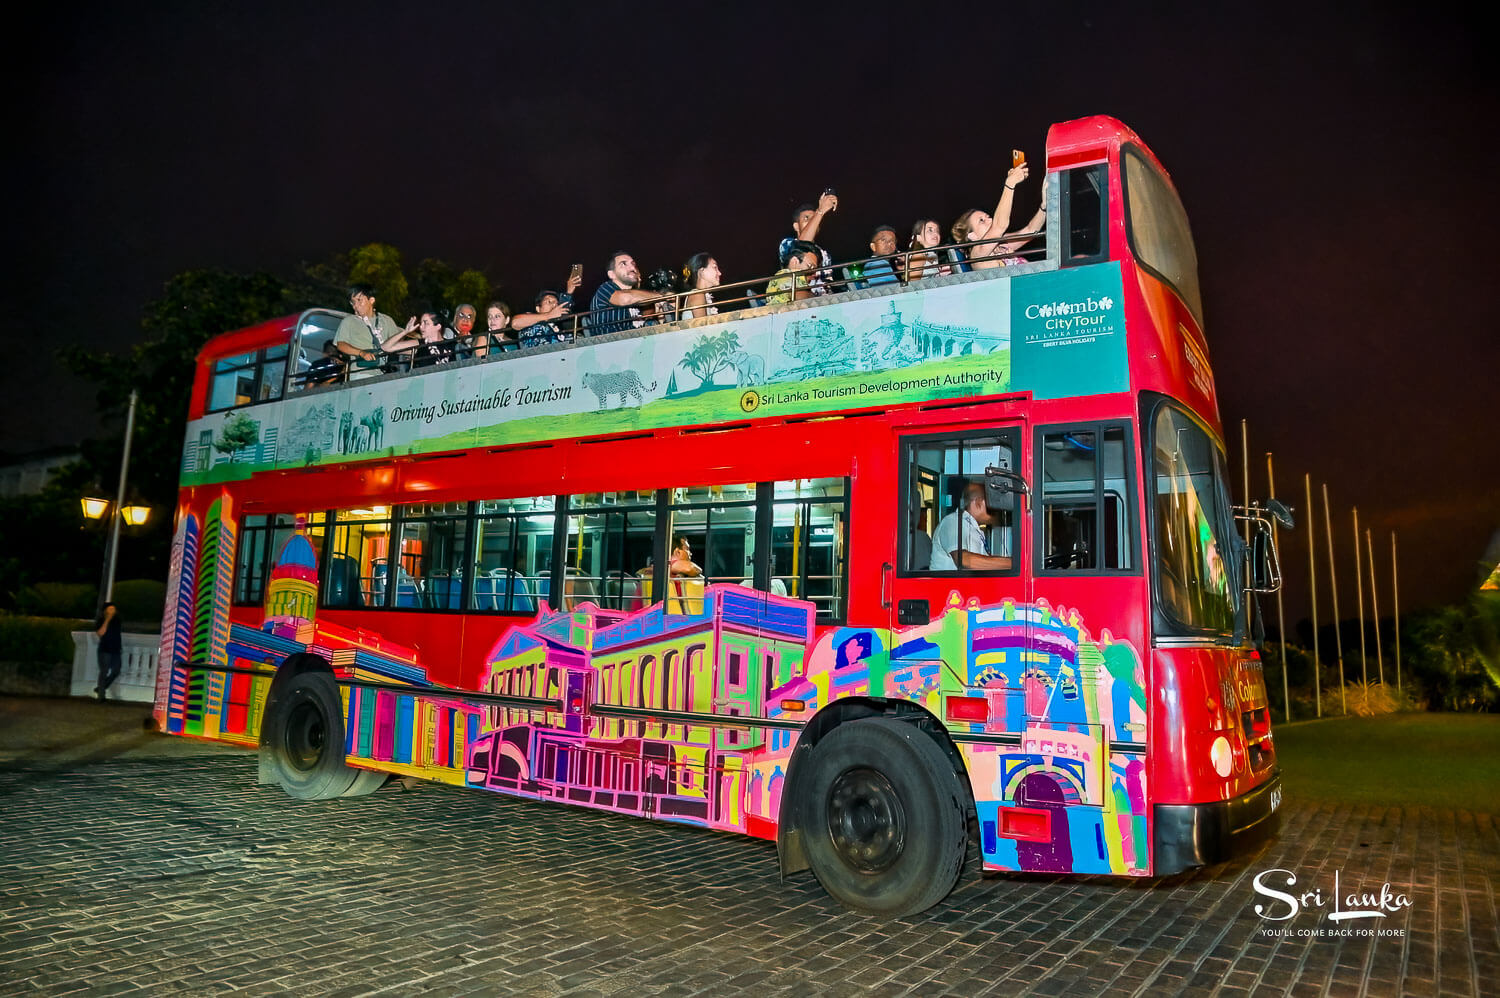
point(95, 508)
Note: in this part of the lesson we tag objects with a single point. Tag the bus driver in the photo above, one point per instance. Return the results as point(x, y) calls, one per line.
point(967, 522)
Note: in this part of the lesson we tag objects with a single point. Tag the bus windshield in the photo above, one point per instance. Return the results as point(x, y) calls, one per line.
point(1159, 231)
point(1197, 572)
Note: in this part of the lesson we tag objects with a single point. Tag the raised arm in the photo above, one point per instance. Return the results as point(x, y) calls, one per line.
point(634, 296)
point(528, 319)
point(826, 203)
point(1001, 222)
point(407, 338)
point(1034, 225)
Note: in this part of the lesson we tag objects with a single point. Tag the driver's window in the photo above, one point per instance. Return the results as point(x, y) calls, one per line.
point(1084, 513)
point(946, 524)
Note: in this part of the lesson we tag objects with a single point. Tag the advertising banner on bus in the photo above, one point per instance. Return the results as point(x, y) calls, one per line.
point(1051, 334)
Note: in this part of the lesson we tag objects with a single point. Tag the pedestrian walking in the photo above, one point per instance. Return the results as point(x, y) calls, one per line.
point(109, 649)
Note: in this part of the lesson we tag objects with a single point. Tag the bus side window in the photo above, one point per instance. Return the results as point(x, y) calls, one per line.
point(1084, 214)
point(938, 471)
point(1084, 513)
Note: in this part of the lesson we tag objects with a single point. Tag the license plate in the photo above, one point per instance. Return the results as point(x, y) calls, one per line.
point(1275, 799)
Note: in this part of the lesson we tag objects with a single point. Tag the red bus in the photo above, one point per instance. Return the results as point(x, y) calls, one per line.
point(881, 575)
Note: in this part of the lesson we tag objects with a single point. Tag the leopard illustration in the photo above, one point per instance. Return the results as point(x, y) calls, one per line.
point(626, 384)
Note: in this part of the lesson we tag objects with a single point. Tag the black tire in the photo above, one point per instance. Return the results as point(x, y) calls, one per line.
point(884, 818)
point(366, 782)
point(306, 740)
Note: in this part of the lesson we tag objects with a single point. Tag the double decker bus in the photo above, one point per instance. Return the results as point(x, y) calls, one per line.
point(688, 570)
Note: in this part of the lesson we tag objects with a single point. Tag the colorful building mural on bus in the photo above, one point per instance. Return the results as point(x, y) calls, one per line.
point(645, 704)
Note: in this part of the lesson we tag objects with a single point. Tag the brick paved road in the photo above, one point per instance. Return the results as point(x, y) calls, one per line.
point(153, 864)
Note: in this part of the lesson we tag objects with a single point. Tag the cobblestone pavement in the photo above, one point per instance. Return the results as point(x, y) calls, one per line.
point(139, 863)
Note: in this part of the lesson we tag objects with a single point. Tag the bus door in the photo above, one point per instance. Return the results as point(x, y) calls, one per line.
point(958, 592)
point(1086, 581)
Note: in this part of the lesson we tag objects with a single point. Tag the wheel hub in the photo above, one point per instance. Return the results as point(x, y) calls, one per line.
point(305, 734)
point(866, 820)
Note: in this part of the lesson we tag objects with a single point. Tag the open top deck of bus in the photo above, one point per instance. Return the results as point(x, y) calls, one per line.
point(1050, 324)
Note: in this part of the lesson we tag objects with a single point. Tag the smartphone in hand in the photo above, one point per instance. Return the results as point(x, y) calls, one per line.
point(1017, 158)
point(576, 273)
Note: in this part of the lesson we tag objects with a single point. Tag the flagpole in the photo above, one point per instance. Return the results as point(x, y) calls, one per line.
point(1312, 575)
point(1359, 594)
point(1245, 565)
point(1333, 581)
point(1396, 610)
point(1375, 607)
point(1286, 691)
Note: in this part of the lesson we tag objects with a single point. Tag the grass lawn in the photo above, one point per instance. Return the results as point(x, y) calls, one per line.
point(1398, 760)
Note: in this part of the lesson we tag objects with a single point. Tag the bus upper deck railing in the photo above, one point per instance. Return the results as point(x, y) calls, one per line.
point(572, 327)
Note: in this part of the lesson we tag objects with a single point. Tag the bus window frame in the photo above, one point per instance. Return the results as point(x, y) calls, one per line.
point(1065, 214)
point(766, 501)
point(1163, 622)
point(258, 366)
point(296, 349)
point(1131, 151)
point(1131, 540)
point(398, 521)
point(473, 554)
point(1016, 432)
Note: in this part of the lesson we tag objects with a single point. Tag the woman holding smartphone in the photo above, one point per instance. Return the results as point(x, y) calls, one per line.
point(975, 224)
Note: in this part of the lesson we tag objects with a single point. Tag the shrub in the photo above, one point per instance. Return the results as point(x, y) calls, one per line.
point(58, 599)
point(38, 643)
point(140, 600)
point(1369, 699)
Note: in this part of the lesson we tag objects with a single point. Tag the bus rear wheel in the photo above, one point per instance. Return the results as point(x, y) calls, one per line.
point(884, 820)
point(306, 742)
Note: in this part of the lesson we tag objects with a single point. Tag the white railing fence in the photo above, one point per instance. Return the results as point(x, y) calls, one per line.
point(137, 682)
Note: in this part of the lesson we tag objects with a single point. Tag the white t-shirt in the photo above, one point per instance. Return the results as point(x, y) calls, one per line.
point(945, 539)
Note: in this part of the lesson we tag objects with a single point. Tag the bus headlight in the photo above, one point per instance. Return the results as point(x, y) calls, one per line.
point(1222, 756)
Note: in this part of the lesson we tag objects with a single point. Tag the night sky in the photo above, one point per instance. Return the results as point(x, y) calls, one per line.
point(1338, 172)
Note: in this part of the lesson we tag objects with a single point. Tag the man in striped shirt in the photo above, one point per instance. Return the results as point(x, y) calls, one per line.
point(613, 304)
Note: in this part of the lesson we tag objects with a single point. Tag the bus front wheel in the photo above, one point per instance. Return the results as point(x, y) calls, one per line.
point(884, 820)
point(306, 742)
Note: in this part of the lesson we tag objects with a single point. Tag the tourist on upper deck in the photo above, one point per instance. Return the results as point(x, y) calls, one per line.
point(926, 236)
point(614, 302)
point(464, 343)
point(425, 344)
point(534, 329)
point(974, 224)
point(363, 334)
point(791, 282)
point(326, 369)
point(551, 321)
point(884, 269)
point(700, 274)
point(806, 221)
point(497, 332)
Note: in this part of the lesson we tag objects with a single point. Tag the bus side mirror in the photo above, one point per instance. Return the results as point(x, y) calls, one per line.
point(1002, 482)
point(1281, 513)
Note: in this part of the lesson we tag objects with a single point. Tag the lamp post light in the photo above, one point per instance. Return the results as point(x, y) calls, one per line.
point(135, 515)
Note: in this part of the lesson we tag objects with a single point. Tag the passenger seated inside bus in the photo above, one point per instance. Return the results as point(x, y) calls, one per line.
point(326, 369)
point(960, 543)
point(685, 589)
